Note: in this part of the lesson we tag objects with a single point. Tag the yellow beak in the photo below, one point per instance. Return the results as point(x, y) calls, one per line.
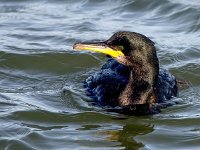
point(98, 47)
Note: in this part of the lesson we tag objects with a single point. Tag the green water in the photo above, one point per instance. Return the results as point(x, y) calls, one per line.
point(42, 100)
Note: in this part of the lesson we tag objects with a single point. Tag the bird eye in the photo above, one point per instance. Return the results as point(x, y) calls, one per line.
point(120, 48)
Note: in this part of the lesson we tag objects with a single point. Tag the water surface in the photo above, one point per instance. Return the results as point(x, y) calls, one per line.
point(42, 100)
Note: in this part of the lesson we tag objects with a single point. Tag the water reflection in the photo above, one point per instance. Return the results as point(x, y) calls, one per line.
point(126, 136)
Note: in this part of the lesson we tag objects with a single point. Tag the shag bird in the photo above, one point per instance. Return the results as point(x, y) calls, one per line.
point(131, 81)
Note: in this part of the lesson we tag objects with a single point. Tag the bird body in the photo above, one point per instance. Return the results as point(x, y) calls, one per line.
point(106, 85)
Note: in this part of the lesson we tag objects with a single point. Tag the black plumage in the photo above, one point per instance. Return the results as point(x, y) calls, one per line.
point(105, 86)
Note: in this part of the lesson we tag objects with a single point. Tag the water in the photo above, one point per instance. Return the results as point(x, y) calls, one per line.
point(42, 101)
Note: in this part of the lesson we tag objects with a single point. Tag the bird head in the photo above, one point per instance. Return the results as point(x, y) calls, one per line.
point(128, 48)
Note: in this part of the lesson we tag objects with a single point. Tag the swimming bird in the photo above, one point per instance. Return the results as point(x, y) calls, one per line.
point(131, 81)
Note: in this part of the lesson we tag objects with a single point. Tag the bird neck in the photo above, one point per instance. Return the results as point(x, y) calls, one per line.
point(140, 87)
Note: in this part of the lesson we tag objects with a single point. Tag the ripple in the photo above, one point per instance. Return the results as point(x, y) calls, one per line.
point(43, 104)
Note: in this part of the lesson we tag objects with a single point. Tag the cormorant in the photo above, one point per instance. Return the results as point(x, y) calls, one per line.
point(131, 81)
